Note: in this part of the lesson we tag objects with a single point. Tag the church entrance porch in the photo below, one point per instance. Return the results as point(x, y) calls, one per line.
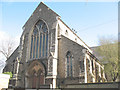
point(36, 75)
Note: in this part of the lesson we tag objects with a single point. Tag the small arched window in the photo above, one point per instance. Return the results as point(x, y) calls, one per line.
point(66, 32)
point(39, 41)
point(69, 64)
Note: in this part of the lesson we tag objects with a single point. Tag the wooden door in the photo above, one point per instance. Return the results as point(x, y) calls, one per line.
point(37, 79)
point(36, 74)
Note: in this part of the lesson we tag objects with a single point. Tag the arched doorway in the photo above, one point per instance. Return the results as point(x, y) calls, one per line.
point(36, 75)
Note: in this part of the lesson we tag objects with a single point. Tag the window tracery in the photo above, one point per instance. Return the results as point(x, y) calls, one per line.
point(39, 41)
point(69, 64)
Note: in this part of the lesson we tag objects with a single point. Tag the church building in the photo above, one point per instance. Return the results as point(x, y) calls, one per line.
point(50, 53)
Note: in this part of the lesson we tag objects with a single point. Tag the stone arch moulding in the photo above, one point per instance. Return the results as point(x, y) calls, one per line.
point(69, 64)
point(39, 19)
point(39, 40)
point(35, 75)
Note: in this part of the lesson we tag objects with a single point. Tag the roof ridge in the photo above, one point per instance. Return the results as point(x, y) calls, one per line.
point(41, 3)
point(48, 7)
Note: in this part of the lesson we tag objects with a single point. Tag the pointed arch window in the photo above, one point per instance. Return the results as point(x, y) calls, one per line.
point(69, 64)
point(39, 40)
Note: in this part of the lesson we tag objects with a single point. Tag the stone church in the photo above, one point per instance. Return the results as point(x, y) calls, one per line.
point(50, 53)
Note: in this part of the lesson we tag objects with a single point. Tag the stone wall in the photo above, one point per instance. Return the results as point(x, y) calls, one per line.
point(66, 45)
point(44, 13)
point(11, 61)
point(95, 85)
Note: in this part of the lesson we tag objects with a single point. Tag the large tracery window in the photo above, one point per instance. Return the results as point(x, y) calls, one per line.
point(39, 41)
point(69, 64)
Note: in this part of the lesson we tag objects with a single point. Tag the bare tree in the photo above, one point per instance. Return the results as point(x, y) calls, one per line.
point(7, 48)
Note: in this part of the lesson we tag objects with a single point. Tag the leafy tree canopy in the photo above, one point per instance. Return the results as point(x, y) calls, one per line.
point(108, 49)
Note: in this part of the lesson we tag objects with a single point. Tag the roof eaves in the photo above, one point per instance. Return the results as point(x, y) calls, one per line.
point(75, 33)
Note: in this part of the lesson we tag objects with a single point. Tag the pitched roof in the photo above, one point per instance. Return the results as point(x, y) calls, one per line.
point(74, 33)
point(41, 4)
point(49, 8)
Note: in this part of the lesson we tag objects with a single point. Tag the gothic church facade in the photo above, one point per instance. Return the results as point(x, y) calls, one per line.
point(50, 53)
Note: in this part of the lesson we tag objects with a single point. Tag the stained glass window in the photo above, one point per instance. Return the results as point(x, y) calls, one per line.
point(43, 45)
point(39, 40)
point(40, 45)
point(37, 47)
point(34, 47)
point(46, 44)
point(31, 47)
point(81, 66)
point(69, 64)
